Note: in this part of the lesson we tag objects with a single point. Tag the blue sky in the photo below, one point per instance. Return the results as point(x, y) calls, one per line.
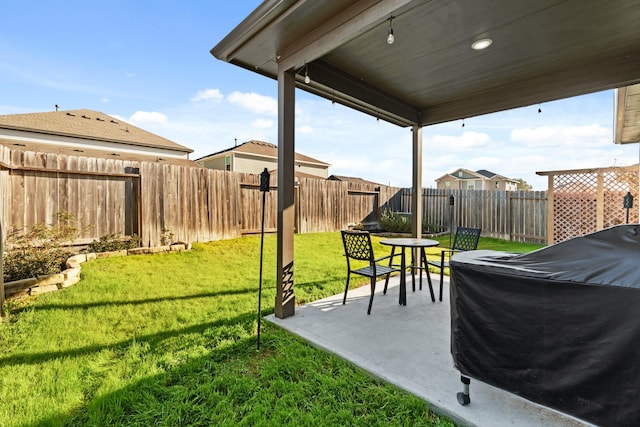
point(148, 63)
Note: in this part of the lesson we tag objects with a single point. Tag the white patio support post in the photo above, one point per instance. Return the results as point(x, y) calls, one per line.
point(285, 298)
point(416, 199)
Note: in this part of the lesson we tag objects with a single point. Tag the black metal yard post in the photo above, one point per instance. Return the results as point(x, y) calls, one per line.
point(627, 203)
point(264, 188)
point(451, 202)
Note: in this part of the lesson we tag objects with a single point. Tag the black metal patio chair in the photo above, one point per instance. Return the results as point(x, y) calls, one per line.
point(466, 239)
point(357, 247)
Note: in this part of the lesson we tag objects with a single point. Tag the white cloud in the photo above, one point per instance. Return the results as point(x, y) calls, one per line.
point(465, 141)
point(148, 117)
point(255, 102)
point(304, 130)
point(105, 100)
point(558, 136)
point(208, 95)
point(262, 124)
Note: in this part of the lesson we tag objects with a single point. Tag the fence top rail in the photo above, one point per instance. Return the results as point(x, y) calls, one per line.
point(580, 171)
point(74, 172)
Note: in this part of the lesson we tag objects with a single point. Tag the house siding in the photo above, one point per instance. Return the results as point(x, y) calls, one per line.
point(475, 184)
point(319, 171)
point(217, 163)
point(250, 164)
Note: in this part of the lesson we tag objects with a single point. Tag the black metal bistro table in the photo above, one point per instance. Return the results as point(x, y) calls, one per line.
point(412, 243)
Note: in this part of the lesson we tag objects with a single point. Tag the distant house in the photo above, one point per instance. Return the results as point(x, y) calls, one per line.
point(465, 179)
point(254, 156)
point(87, 133)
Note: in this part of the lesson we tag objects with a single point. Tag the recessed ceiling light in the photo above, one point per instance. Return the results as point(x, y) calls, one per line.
point(481, 44)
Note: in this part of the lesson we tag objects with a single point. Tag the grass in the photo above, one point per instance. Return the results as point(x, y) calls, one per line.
point(170, 339)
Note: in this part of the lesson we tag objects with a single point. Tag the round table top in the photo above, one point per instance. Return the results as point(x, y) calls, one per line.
point(410, 242)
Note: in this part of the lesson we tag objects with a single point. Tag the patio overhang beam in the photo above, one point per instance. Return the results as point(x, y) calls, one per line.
point(337, 86)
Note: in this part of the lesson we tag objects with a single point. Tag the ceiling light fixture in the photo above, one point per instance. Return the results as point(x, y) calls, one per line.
point(390, 37)
point(481, 44)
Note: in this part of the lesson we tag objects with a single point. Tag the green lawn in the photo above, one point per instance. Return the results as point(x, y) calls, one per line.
point(170, 339)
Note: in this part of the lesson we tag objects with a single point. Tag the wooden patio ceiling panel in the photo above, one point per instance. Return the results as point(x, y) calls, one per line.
point(431, 64)
point(432, 50)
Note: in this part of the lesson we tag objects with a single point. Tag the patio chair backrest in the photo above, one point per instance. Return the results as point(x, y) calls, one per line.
point(466, 239)
point(357, 245)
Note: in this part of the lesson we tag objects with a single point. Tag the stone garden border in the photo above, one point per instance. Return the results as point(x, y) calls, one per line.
point(71, 275)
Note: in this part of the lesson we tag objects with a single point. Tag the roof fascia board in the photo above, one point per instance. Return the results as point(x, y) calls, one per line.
point(262, 17)
point(619, 106)
point(627, 109)
point(337, 31)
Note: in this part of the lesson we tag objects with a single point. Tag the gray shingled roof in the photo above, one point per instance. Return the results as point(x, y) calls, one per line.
point(88, 124)
point(486, 173)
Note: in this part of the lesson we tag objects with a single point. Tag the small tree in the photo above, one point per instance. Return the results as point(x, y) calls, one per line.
point(524, 185)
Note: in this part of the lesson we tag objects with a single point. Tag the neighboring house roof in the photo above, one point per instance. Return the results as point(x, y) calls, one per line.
point(352, 179)
point(88, 124)
point(486, 173)
point(25, 146)
point(262, 149)
point(463, 174)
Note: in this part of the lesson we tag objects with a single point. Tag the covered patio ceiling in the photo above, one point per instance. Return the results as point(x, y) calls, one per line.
point(542, 50)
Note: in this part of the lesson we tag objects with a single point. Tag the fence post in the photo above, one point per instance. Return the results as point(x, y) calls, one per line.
point(550, 211)
point(600, 201)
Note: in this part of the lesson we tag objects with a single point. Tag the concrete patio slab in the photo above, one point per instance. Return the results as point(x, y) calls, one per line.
point(409, 346)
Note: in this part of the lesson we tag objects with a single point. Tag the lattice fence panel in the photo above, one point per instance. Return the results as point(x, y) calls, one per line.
point(574, 205)
point(576, 200)
point(616, 185)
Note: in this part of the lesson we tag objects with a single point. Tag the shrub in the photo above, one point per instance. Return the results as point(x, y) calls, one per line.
point(41, 249)
point(395, 222)
point(166, 237)
point(113, 242)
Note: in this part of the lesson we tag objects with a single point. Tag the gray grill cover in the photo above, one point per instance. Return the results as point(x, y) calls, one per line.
point(559, 326)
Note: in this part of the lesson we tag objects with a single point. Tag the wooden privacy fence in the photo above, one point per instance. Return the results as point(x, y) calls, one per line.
point(511, 215)
point(152, 199)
